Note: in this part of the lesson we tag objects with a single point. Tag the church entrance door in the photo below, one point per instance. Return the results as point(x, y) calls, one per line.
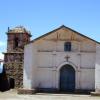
point(67, 78)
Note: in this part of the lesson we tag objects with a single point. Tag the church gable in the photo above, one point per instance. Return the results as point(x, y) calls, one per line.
point(54, 41)
point(48, 54)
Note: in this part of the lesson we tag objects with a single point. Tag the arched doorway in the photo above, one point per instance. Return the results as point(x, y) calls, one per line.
point(67, 78)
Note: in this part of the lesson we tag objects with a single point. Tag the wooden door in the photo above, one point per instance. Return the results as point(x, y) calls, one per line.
point(67, 78)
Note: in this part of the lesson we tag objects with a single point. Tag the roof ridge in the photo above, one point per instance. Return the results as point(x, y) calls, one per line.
point(63, 26)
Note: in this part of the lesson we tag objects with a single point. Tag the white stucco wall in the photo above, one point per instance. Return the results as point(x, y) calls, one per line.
point(87, 79)
point(30, 60)
point(43, 57)
point(97, 69)
point(85, 73)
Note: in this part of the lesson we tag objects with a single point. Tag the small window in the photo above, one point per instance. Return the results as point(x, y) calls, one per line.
point(67, 46)
point(16, 42)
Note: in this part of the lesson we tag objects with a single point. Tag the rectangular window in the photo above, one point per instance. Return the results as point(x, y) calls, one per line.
point(67, 46)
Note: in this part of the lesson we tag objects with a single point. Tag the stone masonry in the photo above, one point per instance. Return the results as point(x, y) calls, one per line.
point(13, 58)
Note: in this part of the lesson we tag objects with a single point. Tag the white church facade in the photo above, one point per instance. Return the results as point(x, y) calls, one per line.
point(62, 60)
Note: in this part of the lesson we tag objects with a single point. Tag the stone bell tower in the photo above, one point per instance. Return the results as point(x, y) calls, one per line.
point(13, 58)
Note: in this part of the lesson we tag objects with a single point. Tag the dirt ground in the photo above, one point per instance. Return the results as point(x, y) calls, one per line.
point(12, 95)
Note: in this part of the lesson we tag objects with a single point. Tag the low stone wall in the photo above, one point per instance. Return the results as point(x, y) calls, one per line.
point(95, 93)
point(26, 91)
point(14, 72)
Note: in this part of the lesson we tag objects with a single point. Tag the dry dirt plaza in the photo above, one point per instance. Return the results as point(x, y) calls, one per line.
point(12, 95)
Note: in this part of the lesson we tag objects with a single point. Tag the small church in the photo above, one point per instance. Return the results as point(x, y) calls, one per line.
point(61, 60)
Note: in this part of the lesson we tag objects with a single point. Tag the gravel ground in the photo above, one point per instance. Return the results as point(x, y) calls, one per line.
point(12, 95)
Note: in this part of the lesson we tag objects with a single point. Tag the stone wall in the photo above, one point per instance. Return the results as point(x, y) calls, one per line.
point(13, 59)
point(15, 71)
point(22, 40)
point(14, 68)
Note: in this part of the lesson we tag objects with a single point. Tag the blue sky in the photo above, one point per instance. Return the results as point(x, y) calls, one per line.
point(41, 16)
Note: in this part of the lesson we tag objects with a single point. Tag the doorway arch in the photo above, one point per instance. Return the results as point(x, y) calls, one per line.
point(67, 78)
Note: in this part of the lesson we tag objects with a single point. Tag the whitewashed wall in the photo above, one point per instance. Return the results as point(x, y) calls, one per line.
point(43, 57)
point(84, 63)
point(29, 72)
point(97, 69)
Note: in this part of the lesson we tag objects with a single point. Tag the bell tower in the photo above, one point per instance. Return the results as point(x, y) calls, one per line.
point(13, 58)
point(17, 38)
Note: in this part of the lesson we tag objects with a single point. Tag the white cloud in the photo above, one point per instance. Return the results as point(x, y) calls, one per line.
point(1, 56)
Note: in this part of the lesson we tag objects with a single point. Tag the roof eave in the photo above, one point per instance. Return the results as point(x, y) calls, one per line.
point(63, 26)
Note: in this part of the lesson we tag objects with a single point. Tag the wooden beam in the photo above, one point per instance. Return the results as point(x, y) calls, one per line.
point(62, 40)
